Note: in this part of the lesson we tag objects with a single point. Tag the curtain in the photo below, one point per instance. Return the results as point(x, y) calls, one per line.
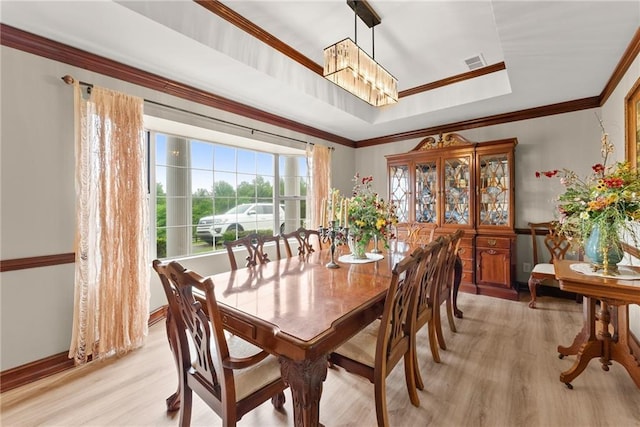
point(111, 302)
point(320, 181)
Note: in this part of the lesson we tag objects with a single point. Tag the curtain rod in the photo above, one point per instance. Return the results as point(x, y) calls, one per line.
point(70, 80)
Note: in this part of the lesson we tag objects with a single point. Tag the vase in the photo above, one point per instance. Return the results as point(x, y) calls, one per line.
point(601, 242)
point(358, 246)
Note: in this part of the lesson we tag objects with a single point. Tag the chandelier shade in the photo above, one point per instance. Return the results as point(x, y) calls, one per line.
point(351, 68)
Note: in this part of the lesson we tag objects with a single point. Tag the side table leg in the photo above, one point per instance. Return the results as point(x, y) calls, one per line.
point(590, 350)
point(588, 331)
point(305, 379)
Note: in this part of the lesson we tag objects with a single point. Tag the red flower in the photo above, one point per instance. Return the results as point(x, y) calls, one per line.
point(548, 174)
point(613, 182)
point(598, 167)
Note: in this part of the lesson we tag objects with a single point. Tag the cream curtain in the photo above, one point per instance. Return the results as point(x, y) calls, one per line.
point(111, 306)
point(320, 181)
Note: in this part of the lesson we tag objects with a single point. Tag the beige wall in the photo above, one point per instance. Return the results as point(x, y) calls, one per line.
point(38, 199)
point(37, 187)
point(613, 114)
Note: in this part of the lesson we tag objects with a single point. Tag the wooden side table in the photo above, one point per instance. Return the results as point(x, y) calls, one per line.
point(591, 343)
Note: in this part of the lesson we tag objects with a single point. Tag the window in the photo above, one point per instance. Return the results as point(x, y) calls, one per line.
point(207, 192)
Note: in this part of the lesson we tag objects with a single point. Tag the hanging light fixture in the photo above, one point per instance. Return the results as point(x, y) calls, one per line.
point(348, 66)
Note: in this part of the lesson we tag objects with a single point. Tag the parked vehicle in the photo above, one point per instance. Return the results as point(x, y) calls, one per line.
point(248, 216)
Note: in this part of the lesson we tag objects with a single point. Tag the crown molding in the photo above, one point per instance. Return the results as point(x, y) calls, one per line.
point(625, 62)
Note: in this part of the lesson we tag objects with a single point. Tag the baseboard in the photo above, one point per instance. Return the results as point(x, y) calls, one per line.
point(30, 372)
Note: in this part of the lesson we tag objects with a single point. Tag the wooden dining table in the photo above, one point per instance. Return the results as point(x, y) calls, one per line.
point(300, 310)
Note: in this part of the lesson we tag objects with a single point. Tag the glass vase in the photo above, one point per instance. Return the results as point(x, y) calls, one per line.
point(603, 249)
point(358, 246)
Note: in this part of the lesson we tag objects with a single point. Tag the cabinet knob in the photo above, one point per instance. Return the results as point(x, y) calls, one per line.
point(491, 242)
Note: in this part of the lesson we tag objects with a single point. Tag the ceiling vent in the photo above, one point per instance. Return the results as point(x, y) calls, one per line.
point(475, 62)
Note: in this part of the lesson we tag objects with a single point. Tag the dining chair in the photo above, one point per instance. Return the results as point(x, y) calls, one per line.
point(253, 244)
point(445, 285)
point(556, 246)
point(303, 237)
point(431, 266)
point(375, 351)
point(229, 374)
point(415, 232)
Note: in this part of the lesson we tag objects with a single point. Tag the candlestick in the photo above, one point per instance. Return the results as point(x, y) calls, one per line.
point(323, 212)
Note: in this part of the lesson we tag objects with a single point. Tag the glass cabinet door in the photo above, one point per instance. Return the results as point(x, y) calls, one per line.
point(399, 190)
point(457, 204)
point(427, 192)
point(493, 189)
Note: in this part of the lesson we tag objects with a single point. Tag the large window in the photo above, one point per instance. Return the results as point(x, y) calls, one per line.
point(207, 192)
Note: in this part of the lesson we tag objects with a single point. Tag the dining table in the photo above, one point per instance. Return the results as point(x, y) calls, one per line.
point(300, 310)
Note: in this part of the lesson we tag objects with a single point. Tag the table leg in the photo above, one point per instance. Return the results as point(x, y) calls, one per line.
point(457, 278)
point(588, 351)
point(305, 379)
point(588, 331)
point(620, 351)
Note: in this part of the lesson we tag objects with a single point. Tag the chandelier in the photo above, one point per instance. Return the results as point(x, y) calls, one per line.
point(348, 66)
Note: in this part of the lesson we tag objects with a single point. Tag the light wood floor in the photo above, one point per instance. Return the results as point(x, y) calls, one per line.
point(501, 369)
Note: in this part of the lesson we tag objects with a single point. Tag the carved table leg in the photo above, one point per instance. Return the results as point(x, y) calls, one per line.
point(588, 332)
point(457, 278)
point(588, 351)
point(173, 401)
point(586, 343)
point(620, 350)
point(604, 335)
point(533, 290)
point(305, 379)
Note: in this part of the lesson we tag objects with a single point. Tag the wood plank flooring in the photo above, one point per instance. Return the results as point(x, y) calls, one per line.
point(501, 369)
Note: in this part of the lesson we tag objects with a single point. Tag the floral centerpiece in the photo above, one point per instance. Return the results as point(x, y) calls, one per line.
point(596, 210)
point(368, 216)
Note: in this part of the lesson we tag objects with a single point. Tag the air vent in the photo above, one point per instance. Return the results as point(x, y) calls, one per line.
point(475, 62)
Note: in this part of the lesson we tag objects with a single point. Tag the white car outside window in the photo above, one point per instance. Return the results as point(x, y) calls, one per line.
point(248, 216)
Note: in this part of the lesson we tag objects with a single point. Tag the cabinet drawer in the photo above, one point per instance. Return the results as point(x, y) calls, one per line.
point(242, 328)
point(493, 242)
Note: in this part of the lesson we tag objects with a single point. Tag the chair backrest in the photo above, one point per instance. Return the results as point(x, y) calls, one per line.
point(302, 237)
point(415, 232)
point(557, 245)
point(254, 246)
point(197, 327)
point(431, 265)
point(445, 279)
point(398, 318)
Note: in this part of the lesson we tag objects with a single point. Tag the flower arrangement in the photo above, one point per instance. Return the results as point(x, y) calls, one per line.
point(360, 218)
point(606, 201)
point(368, 215)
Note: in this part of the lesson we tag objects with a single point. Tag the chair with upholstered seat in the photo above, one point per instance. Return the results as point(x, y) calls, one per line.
point(376, 350)
point(445, 285)
point(415, 232)
point(305, 240)
point(253, 244)
point(432, 265)
point(229, 374)
point(557, 247)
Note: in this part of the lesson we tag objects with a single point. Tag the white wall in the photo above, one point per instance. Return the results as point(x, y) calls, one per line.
point(38, 199)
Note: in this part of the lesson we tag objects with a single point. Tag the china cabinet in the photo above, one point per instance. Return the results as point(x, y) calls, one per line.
point(452, 183)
